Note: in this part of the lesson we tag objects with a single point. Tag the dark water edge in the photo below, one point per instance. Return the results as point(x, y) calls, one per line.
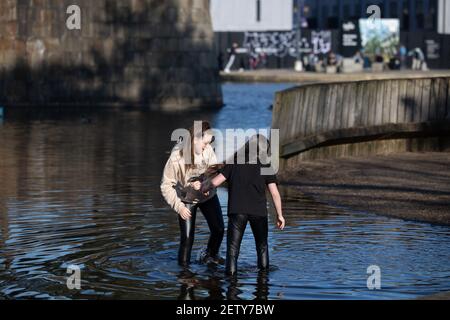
point(83, 188)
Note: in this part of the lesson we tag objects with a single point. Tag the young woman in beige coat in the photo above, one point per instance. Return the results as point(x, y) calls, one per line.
point(178, 185)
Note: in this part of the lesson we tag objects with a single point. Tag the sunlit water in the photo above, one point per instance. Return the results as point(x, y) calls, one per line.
point(84, 190)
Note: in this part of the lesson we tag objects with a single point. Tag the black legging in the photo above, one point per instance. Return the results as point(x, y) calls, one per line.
point(236, 228)
point(213, 213)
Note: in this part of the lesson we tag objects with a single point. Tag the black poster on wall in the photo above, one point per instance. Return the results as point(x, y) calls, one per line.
point(351, 40)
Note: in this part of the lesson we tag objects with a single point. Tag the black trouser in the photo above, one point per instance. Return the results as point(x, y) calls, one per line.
point(236, 228)
point(213, 213)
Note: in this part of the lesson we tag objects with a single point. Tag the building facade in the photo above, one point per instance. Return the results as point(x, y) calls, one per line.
point(265, 32)
point(414, 15)
point(251, 15)
point(423, 23)
point(444, 17)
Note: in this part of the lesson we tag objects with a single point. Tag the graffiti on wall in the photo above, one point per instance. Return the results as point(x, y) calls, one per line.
point(282, 44)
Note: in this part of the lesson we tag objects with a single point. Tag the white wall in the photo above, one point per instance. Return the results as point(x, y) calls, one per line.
point(444, 17)
point(240, 15)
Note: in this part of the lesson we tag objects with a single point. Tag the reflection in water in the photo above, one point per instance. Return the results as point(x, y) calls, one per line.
point(215, 283)
point(189, 282)
point(85, 190)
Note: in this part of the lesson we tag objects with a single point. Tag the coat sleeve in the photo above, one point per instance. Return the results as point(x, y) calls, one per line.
point(168, 183)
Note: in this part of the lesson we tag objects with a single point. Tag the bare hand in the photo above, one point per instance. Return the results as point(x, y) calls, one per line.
point(196, 185)
point(281, 223)
point(185, 213)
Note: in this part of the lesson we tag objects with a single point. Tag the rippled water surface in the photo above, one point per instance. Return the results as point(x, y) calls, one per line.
point(84, 189)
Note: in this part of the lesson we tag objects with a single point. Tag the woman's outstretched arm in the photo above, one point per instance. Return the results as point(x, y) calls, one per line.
point(210, 184)
point(281, 223)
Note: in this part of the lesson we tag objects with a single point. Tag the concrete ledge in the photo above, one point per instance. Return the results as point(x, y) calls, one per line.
point(355, 135)
point(314, 77)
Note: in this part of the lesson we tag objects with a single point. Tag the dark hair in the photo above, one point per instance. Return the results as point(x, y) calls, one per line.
point(262, 145)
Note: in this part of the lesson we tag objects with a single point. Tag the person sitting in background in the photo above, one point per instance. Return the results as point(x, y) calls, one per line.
point(394, 63)
point(418, 59)
point(331, 59)
point(358, 57)
point(232, 57)
point(339, 63)
point(403, 53)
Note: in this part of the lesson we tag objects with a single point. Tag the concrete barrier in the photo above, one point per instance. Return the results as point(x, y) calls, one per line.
point(362, 118)
point(349, 65)
point(377, 67)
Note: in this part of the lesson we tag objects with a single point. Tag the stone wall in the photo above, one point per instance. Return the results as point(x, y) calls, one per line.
point(152, 53)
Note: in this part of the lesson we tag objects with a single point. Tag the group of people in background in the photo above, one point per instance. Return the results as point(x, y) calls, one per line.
point(255, 60)
point(397, 60)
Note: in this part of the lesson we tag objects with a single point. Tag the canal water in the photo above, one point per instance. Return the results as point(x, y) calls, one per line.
point(83, 189)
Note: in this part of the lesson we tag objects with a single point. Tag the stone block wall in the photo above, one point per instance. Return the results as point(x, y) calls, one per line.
point(148, 53)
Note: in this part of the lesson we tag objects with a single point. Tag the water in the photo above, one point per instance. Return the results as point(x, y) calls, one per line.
point(85, 190)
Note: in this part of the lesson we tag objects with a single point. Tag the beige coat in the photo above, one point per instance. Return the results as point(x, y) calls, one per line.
point(175, 177)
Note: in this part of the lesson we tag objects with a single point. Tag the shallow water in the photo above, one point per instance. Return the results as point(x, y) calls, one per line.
point(85, 190)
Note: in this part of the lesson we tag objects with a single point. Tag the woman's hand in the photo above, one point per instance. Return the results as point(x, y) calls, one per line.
point(196, 185)
point(281, 223)
point(185, 213)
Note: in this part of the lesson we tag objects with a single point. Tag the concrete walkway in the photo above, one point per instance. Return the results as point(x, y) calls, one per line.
point(285, 75)
point(411, 186)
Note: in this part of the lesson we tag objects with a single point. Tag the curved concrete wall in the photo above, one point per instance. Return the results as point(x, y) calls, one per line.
point(332, 120)
point(148, 53)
